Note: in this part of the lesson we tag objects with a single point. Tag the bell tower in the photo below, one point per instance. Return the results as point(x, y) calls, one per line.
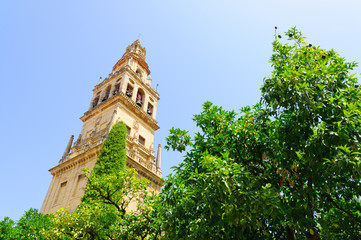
point(125, 95)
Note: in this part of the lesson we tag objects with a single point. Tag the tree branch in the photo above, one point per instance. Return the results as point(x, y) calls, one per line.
point(348, 212)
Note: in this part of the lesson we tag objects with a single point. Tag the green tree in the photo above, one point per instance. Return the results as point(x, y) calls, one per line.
point(113, 156)
point(110, 190)
point(32, 225)
point(6, 228)
point(102, 181)
point(99, 217)
point(283, 169)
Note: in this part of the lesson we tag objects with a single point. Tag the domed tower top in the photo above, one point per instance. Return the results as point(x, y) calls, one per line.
point(136, 52)
point(137, 48)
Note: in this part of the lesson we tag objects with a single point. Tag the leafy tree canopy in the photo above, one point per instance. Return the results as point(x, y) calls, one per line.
point(286, 168)
point(103, 212)
point(113, 156)
point(31, 225)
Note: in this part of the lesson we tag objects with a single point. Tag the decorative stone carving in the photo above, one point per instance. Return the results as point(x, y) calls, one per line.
point(85, 147)
point(77, 143)
point(136, 125)
point(130, 62)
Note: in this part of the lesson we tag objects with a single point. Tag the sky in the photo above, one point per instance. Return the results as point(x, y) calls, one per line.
point(52, 54)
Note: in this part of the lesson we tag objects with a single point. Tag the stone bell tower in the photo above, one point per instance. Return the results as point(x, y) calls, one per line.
point(125, 95)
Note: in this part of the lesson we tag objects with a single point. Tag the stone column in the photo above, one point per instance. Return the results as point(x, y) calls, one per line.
point(158, 161)
point(112, 87)
point(124, 84)
point(145, 102)
point(155, 104)
point(135, 91)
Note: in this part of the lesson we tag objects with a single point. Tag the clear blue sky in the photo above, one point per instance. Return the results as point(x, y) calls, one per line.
point(52, 53)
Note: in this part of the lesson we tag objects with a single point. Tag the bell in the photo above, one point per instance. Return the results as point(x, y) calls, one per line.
point(139, 102)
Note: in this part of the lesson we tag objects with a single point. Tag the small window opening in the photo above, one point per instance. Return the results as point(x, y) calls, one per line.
point(129, 91)
point(116, 89)
point(128, 130)
point(95, 101)
point(141, 140)
point(139, 73)
point(106, 96)
point(150, 109)
point(140, 96)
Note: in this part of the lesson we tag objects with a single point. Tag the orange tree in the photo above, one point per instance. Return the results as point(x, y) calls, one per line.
point(286, 168)
point(30, 226)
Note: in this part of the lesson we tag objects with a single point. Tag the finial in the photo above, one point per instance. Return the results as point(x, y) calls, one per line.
point(139, 37)
point(100, 79)
point(68, 147)
point(157, 87)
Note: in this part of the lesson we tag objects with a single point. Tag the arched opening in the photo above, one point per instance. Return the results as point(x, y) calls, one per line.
point(150, 109)
point(129, 91)
point(140, 97)
point(107, 92)
point(95, 101)
point(116, 89)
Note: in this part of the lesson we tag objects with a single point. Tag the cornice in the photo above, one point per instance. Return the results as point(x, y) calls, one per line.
point(136, 57)
point(77, 160)
point(144, 168)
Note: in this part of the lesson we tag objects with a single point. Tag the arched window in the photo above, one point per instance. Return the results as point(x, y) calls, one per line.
point(95, 101)
point(107, 92)
point(150, 109)
point(116, 89)
point(140, 97)
point(129, 91)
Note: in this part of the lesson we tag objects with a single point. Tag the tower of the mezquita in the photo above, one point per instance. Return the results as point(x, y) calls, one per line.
point(125, 95)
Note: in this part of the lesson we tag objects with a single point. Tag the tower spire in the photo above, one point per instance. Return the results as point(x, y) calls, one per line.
point(139, 37)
